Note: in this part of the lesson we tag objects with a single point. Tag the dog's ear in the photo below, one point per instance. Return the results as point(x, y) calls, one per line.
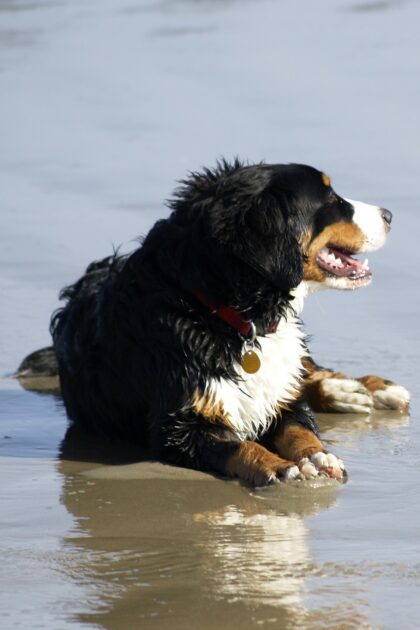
point(267, 242)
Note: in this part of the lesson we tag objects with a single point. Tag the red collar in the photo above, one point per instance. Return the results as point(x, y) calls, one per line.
point(231, 316)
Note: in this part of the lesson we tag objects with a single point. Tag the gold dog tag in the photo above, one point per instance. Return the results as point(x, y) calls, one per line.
point(250, 362)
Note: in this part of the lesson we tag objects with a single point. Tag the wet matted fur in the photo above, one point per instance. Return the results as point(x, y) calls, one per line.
point(144, 353)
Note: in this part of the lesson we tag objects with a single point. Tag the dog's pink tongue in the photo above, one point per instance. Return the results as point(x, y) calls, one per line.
point(348, 260)
point(340, 264)
point(351, 265)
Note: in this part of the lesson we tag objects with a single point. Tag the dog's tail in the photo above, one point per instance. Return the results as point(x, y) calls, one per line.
point(39, 371)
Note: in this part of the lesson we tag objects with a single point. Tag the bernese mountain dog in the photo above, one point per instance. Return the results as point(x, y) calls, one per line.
point(193, 343)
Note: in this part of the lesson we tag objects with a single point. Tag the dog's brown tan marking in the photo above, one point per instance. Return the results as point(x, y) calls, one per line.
point(305, 240)
point(317, 397)
point(210, 409)
point(293, 442)
point(347, 236)
point(374, 383)
point(313, 373)
point(256, 465)
point(326, 180)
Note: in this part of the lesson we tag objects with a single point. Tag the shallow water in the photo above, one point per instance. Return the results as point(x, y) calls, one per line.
point(103, 106)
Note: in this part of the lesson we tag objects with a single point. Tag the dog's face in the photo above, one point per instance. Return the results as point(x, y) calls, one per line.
point(341, 229)
point(284, 222)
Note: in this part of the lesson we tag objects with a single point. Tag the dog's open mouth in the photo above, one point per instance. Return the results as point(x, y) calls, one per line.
point(341, 263)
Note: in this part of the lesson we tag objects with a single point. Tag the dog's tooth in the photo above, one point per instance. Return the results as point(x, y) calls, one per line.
point(365, 264)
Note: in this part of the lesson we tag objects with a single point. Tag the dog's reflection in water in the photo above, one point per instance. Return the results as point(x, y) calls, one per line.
point(166, 546)
point(261, 556)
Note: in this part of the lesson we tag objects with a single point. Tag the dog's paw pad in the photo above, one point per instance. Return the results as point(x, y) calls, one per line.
point(392, 397)
point(308, 469)
point(329, 464)
point(346, 395)
point(292, 473)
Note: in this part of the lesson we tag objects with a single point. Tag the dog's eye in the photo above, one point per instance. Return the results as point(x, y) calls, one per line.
point(332, 200)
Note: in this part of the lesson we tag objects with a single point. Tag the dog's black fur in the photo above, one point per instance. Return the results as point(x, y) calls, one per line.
point(134, 343)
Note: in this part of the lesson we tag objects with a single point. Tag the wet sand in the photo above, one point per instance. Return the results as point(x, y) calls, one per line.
point(103, 107)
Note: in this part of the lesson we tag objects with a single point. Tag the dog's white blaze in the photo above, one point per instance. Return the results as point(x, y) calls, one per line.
point(370, 221)
point(252, 403)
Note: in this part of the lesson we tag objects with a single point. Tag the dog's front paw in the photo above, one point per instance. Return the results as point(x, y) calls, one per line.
point(392, 397)
point(322, 464)
point(257, 466)
point(346, 395)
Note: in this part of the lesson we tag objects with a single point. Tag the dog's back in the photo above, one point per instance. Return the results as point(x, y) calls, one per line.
point(91, 357)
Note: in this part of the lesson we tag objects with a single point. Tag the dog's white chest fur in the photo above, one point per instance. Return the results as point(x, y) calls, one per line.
point(252, 403)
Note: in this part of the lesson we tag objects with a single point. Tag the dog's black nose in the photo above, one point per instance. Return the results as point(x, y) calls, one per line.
point(386, 215)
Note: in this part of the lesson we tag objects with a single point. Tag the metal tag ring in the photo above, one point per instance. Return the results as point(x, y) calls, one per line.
point(252, 335)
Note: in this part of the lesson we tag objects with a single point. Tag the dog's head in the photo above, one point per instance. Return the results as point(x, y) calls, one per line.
point(280, 224)
point(338, 230)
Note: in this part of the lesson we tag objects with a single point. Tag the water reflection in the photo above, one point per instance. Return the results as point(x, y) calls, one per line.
point(348, 429)
point(158, 547)
point(165, 545)
point(189, 550)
